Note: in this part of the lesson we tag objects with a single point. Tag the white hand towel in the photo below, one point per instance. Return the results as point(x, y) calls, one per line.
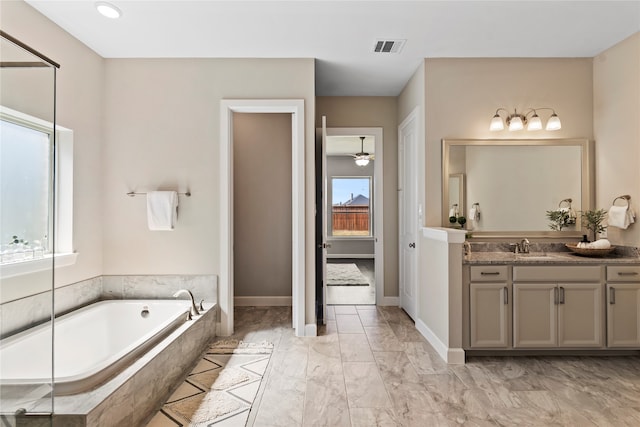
point(162, 210)
point(474, 213)
point(618, 217)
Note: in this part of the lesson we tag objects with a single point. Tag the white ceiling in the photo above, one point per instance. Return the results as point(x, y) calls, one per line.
point(349, 145)
point(341, 34)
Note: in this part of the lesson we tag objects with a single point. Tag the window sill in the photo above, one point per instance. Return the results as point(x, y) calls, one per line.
point(34, 265)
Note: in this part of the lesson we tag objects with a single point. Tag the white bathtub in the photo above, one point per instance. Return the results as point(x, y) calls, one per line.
point(91, 344)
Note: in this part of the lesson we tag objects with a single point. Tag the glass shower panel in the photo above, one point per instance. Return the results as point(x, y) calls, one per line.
point(27, 237)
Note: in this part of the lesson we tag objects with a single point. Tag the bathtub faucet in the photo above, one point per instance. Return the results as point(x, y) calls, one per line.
point(194, 309)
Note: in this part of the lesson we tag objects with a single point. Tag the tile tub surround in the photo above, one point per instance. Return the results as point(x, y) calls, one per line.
point(30, 311)
point(135, 394)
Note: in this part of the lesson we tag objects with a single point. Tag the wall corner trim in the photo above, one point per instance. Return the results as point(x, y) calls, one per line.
point(454, 356)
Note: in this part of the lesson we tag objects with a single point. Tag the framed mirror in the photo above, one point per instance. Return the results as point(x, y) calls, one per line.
point(513, 183)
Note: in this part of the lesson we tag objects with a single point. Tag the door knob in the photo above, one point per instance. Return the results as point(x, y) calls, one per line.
point(412, 245)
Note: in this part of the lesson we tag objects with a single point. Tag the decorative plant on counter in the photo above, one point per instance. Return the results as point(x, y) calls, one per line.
point(559, 219)
point(592, 220)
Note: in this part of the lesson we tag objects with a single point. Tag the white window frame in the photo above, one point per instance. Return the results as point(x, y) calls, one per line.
point(371, 234)
point(63, 226)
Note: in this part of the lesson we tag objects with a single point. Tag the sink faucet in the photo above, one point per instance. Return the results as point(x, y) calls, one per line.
point(194, 310)
point(524, 246)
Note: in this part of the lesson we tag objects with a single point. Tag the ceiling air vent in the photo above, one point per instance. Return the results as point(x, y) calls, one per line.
point(388, 46)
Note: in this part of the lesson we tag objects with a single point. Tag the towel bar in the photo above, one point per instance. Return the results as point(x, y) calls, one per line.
point(568, 201)
point(133, 193)
point(624, 197)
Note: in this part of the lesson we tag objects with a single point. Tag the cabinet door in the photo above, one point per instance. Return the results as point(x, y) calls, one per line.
point(534, 315)
point(580, 315)
point(489, 311)
point(623, 315)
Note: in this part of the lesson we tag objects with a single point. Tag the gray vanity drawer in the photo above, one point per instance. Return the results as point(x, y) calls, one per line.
point(626, 273)
point(557, 273)
point(489, 273)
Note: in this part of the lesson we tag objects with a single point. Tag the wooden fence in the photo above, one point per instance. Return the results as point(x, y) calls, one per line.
point(350, 219)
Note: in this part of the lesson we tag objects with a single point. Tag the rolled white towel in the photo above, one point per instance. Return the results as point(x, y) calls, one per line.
point(601, 244)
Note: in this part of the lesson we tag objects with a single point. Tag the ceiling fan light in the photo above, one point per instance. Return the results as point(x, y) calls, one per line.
point(534, 122)
point(554, 122)
point(515, 123)
point(496, 123)
point(362, 159)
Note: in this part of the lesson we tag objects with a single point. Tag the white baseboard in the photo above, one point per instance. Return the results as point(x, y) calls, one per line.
point(454, 356)
point(310, 330)
point(353, 256)
point(261, 301)
point(390, 301)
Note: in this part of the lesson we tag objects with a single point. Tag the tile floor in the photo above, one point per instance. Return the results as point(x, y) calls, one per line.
point(219, 390)
point(370, 367)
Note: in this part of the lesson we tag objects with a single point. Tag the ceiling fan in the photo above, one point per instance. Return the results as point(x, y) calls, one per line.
point(362, 158)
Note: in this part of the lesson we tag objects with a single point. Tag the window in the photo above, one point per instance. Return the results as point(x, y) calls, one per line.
point(25, 190)
point(27, 162)
point(351, 206)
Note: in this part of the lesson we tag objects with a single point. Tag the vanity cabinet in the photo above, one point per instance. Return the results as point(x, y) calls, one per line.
point(623, 306)
point(558, 306)
point(489, 307)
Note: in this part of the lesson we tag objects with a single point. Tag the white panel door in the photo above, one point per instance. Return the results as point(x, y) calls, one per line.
point(408, 214)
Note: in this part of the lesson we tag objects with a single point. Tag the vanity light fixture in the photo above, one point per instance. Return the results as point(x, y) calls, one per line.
point(108, 10)
point(362, 158)
point(517, 121)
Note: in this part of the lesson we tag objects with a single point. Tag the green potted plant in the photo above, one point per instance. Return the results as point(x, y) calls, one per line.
point(559, 219)
point(593, 221)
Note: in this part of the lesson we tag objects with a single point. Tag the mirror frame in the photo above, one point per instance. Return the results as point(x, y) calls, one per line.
point(586, 183)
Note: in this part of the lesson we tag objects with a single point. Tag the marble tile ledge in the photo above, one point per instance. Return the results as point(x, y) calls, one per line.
point(545, 254)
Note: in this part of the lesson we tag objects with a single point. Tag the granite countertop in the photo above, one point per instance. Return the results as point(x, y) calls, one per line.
point(545, 254)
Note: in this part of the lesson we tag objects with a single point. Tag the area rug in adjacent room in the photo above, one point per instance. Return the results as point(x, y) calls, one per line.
point(345, 275)
point(221, 388)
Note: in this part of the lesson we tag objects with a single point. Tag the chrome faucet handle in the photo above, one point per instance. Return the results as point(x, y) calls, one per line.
point(201, 306)
point(516, 247)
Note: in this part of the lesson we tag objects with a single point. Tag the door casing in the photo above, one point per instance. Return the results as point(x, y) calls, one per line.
point(225, 284)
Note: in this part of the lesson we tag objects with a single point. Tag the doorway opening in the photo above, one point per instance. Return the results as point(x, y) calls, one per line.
point(262, 209)
point(295, 108)
point(350, 200)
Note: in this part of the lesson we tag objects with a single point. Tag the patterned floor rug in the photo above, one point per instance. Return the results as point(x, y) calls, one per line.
point(221, 388)
point(345, 275)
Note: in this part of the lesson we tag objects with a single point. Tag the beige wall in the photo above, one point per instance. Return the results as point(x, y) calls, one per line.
point(412, 94)
point(80, 108)
point(374, 112)
point(463, 94)
point(163, 130)
point(616, 121)
point(262, 204)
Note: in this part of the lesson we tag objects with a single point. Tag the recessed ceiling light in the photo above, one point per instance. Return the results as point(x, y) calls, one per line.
point(108, 10)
